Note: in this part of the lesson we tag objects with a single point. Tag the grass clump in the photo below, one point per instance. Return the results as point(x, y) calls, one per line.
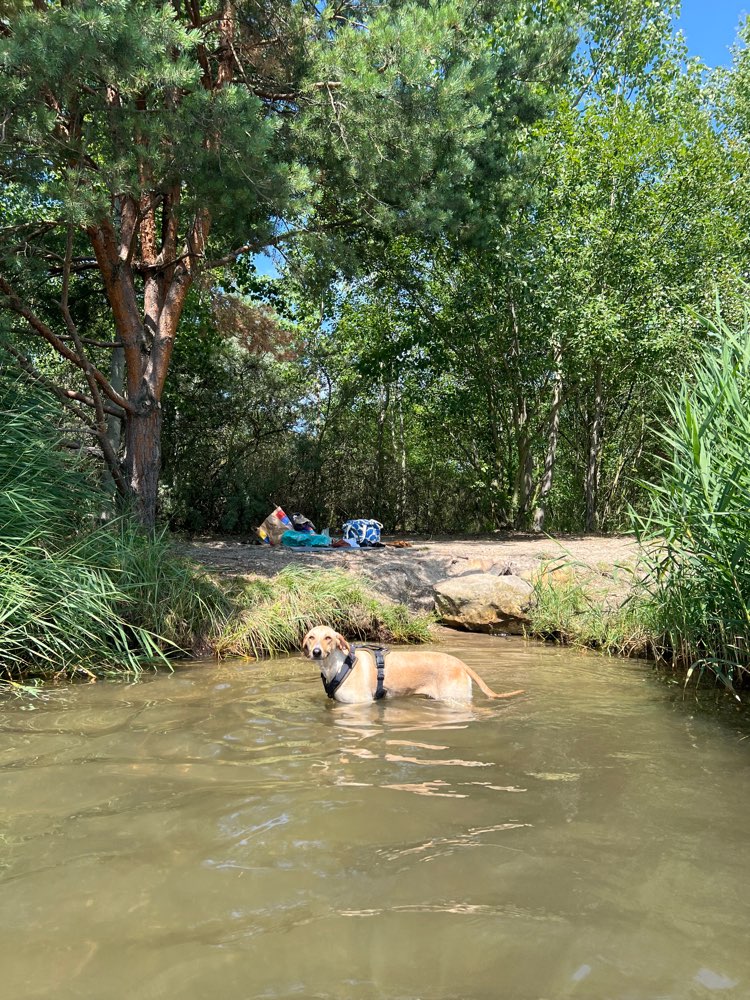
point(272, 616)
point(576, 606)
point(62, 602)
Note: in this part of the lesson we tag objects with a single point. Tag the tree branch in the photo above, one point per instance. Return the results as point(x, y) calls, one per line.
point(38, 326)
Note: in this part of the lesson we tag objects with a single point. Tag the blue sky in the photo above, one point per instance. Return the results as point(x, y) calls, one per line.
point(710, 27)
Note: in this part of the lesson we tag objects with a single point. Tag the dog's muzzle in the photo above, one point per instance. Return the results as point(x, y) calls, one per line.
point(316, 653)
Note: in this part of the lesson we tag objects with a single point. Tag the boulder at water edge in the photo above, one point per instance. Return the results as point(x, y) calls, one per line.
point(481, 602)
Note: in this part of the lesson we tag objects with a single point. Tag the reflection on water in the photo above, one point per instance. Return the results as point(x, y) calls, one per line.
point(215, 833)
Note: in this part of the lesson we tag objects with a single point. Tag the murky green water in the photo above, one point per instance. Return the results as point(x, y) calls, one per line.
point(228, 833)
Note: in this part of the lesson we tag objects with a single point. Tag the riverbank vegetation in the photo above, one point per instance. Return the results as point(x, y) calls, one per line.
point(84, 591)
point(687, 600)
point(440, 264)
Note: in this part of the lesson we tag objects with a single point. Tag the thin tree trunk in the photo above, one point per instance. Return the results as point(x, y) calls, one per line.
point(401, 505)
point(383, 403)
point(525, 459)
point(524, 469)
point(114, 422)
point(593, 464)
point(545, 486)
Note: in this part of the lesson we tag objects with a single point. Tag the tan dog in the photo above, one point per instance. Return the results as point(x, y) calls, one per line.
point(434, 675)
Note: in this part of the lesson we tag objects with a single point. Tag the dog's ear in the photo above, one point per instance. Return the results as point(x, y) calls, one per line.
point(341, 642)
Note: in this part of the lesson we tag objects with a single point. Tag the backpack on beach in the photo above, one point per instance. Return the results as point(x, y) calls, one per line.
point(362, 531)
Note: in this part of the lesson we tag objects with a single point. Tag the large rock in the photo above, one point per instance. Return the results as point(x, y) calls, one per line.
point(482, 602)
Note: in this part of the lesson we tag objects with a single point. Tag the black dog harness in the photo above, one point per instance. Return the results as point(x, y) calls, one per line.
point(379, 652)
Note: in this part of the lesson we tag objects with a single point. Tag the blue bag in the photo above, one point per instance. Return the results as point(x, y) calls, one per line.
point(362, 531)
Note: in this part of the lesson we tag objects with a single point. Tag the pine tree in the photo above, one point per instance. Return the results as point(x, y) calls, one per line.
point(145, 143)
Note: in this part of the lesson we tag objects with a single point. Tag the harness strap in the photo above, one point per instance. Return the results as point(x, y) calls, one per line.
point(379, 652)
point(332, 686)
point(380, 691)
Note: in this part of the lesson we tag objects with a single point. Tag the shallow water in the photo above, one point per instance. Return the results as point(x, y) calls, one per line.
point(227, 832)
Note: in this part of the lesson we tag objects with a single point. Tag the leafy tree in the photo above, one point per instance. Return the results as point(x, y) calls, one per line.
point(146, 144)
point(535, 356)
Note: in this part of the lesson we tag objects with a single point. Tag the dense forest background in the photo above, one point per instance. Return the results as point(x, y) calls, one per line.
point(516, 379)
point(481, 343)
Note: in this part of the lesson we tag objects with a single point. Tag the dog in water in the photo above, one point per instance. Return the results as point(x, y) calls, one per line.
point(350, 674)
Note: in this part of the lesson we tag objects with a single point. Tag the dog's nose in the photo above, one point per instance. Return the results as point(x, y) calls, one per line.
point(317, 652)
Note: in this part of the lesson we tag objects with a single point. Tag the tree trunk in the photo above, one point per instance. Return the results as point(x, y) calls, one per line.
point(401, 504)
point(143, 462)
point(114, 422)
point(384, 395)
point(147, 335)
point(545, 486)
point(525, 467)
point(591, 482)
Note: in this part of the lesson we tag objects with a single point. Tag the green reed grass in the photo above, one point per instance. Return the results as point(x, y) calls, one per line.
point(574, 610)
point(696, 533)
point(59, 601)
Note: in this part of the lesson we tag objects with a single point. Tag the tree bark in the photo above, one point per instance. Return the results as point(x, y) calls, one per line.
point(143, 463)
point(114, 422)
point(525, 459)
point(384, 395)
point(147, 336)
point(593, 464)
point(525, 467)
point(545, 486)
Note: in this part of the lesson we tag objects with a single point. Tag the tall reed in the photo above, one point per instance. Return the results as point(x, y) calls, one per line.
point(696, 532)
point(61, 602)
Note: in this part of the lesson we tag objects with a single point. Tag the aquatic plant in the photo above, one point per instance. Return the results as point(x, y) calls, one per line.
point(696, 532)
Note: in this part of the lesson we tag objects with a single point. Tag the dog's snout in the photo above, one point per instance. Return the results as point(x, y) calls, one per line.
point(317, 652)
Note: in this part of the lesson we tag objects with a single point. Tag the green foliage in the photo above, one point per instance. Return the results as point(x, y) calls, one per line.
point(230, 412)
point(273, 616)
point(697, 528)
point(575, 608)
point(62, 603)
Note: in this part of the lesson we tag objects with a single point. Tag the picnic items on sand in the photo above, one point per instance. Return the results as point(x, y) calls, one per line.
point(273, 527)
point(302, 523)
point(305, 539)
point(299, 532)
point(362, 532)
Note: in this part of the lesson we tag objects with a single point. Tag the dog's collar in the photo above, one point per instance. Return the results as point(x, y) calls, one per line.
point(342, 673)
